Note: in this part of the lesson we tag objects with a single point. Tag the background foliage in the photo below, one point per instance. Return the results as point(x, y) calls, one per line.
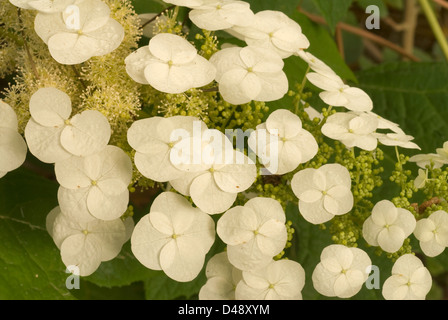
point(413, 94)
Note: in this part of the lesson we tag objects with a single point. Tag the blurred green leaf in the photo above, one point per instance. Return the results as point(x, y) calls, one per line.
point(414, 95)
point(286, 6)
point(30, 263)
point(333, 11)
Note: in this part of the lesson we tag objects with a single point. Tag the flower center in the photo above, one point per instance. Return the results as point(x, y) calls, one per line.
point(86, 232)
point(170, 63)
point(351, 131)
point(171, 144)
point(67, 122)
point(343, 271)
point(175, 236)
point(256, 232)
point(250, 69)
point(271, 286)
point(80, 32)
point(324, 193)
point(94, 182)
point(211, 170)
point(218, 7)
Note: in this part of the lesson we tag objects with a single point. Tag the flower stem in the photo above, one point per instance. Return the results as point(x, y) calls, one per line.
point(435, 26)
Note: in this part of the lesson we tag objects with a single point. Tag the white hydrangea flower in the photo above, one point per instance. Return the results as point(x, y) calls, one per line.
point(250, 73)
point(254, 233)
point(337, 94)
point(46, 6)
point(152, 139)
point(222, 279)
point(96, 35)
point(86, 243)
point(273, 30)
point(410, 280)
point(12, 146)
point(52, 136)
point(422, 178)
point(433, 233)
point(399, 139)
point(170, 64)
point(315, 63)
point(98, 182)
point(433, 160)
point(341, 271)
point(443, 152)
point(388, 226)
point(323, 193)
point(353, 130)
point(185, 3)
point(386, 124)
point(221, 14)
point(219, 173)
point(173, 237)
point(283, 138)
point(279, 280)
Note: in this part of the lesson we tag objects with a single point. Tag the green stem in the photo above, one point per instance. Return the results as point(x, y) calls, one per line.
point(435, 26)
point(302, 86)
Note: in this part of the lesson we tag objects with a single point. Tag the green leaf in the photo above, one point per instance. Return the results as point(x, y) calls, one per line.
point(333, 11)
point(286, 6)
point(160, 287)
point(413, 95)
point(124, 270)
point(30, 263)
point(149, 6)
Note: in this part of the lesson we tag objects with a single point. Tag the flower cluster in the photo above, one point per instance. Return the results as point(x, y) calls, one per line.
point(162, 121)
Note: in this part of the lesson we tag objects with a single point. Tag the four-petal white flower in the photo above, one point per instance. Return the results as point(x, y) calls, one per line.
point(323, 193)
point(170, 64)
point(86, 243)
point(12, 146)
point(338, 94)
point(52, 136)
point(352, 129)
point(250, 73)
point(173, 237)
point(433, 233)
point(216, 173)
point(152, 138)
point(221, 14)
point(46, 6)
point(388, 226)
point(410, 280)
point(341, 272)
point(254, 233)
point(281, 143)
point(69, 43)
point(222, 279)
point(98, 182)
point(273, 30)
point(279, 280)
point(433, 160)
